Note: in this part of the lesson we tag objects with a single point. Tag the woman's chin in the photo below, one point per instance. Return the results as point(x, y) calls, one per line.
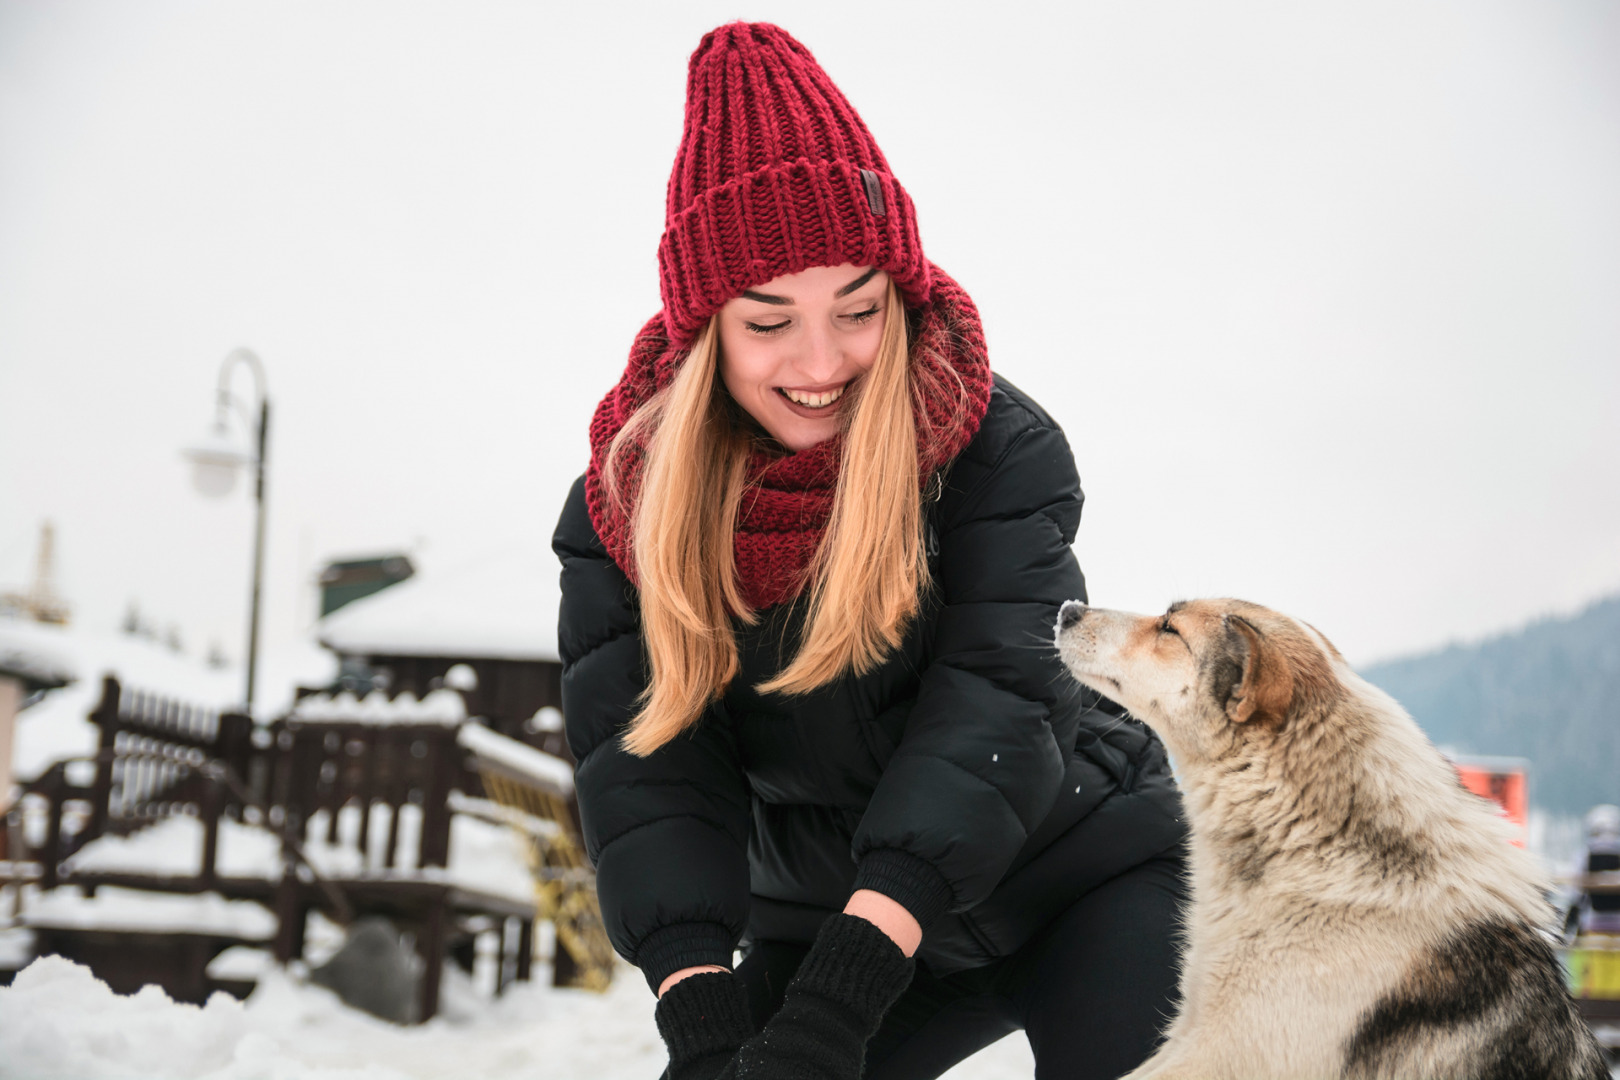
point(797, 433)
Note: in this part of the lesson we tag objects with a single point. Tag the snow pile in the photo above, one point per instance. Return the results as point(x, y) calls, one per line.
point(443, 707)
point(57, 1022)
point(501, 608)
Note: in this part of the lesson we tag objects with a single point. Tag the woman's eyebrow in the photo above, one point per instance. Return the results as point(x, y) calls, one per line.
point(857, 283)
point(767, 298)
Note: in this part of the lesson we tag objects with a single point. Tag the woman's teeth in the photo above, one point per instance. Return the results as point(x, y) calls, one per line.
point(814, 401)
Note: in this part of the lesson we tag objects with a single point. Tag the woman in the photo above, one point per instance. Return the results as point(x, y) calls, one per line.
point(809, 582)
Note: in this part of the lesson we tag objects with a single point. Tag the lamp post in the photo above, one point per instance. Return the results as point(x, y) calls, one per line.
point(215, 459)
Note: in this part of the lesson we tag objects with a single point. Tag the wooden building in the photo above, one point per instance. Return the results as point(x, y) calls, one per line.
point(487, 629)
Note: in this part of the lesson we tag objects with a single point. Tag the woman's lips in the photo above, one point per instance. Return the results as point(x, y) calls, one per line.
point(812, 404)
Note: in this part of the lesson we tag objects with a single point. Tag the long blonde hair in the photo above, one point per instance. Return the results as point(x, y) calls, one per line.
point(868, 574)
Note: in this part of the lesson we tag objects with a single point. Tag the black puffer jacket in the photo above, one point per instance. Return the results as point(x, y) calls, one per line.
point(968, 777)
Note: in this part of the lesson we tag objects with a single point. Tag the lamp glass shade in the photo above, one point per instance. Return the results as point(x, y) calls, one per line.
point(215, 459)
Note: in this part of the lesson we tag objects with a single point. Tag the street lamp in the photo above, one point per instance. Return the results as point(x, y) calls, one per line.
point(215, 459)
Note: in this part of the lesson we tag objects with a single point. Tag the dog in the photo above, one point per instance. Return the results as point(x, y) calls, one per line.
point(1356, 912)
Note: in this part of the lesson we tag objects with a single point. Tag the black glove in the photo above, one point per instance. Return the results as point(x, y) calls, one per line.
point(849, 979)
point(704, 1019)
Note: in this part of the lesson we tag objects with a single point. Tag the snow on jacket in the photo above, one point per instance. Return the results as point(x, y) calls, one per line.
point(967, 777)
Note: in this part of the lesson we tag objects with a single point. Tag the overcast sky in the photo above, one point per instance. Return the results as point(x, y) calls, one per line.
point(1327, 296)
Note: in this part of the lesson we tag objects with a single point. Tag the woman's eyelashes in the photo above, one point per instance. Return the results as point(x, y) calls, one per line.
point(854, 318)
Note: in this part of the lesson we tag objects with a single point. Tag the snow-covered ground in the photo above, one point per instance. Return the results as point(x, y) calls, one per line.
point(57, 1022)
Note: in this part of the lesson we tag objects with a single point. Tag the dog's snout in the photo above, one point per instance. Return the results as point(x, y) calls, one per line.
point(1070, 613)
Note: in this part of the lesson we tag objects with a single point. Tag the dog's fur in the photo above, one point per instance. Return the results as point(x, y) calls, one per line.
point(1356, 913)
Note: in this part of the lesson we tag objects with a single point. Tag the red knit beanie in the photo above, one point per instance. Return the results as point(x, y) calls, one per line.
point(776, 172)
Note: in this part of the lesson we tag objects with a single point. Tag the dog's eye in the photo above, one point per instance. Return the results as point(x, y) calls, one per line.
point(1166, 628)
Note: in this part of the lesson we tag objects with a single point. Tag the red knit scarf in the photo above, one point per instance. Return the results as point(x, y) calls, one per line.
point(790, 496)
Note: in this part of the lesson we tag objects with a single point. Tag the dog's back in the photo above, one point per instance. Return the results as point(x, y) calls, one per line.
point(1489, 1003)
point(1487, 999)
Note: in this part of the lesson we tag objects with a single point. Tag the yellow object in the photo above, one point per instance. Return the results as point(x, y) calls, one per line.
point(1593, 966)
point(565, 886)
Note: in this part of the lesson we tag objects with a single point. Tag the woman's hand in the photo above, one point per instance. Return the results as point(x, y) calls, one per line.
point(850, 977)
point(663, 987)
point(885, 913)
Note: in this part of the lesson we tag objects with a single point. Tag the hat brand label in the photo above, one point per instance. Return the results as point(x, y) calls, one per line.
point(874, 192)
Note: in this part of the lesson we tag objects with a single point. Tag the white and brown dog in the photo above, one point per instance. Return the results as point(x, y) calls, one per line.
point(1356, 912)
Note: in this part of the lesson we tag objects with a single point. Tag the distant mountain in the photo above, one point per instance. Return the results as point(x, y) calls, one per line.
point(1549, 692)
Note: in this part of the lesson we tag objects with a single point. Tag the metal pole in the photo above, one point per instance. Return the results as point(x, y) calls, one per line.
point(258, 555)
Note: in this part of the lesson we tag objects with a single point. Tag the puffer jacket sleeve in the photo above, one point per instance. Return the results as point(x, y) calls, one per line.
point(668, 833)
point(983, 756)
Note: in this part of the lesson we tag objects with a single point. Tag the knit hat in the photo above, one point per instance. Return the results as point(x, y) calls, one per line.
point(776, 172)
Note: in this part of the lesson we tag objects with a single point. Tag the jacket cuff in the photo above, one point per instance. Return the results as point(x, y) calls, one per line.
point(682, 945)
point(910, 881)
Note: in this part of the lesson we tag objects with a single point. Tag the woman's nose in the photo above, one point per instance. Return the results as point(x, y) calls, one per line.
point(820, 360)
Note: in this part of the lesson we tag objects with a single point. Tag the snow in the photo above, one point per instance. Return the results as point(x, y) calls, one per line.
point(548, 772)
point(484, 856)
point(115, 908)
point(58, 727)
point(16, 945)
point(174, 847)
point(34, 658)
point(503, 607)
point(57, 1022)
point(241, 963)
point(436, 707)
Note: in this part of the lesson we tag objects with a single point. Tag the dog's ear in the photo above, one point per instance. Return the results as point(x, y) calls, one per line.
point(1265, 690)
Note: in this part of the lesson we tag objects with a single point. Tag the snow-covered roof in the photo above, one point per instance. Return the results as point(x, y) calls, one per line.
point(500, 608)
point(58, 727)
point(437, 707)
point(38, 661)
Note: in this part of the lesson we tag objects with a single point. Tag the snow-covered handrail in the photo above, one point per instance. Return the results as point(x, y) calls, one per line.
point(544, 771)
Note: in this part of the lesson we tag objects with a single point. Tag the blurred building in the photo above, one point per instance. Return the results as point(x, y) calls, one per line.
point(487, 630)
point(353, 579)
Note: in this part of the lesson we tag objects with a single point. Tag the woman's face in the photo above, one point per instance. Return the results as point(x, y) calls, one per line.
point(790, 348)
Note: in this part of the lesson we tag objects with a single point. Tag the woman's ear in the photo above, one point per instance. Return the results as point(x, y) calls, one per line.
point(1266, 689)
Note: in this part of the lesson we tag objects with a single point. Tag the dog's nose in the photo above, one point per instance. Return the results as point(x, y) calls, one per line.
point(1070, 613)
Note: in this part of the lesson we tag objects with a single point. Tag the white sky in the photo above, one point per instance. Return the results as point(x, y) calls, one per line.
point(1327, 296)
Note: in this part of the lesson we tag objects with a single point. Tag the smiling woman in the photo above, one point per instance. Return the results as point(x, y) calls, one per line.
point(800, 582)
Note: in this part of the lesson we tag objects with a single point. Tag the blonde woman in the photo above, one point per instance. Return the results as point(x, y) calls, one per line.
point(809, 582)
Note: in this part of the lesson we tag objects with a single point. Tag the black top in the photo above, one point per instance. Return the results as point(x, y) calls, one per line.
point(968, 776)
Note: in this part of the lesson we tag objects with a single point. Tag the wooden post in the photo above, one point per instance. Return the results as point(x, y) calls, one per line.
point(212, 807)
point(234, 749)
point(291, 913)
point(525, 950)
point(104, 717)
point(55, 783)
point(431, 947)
point(443, 757)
